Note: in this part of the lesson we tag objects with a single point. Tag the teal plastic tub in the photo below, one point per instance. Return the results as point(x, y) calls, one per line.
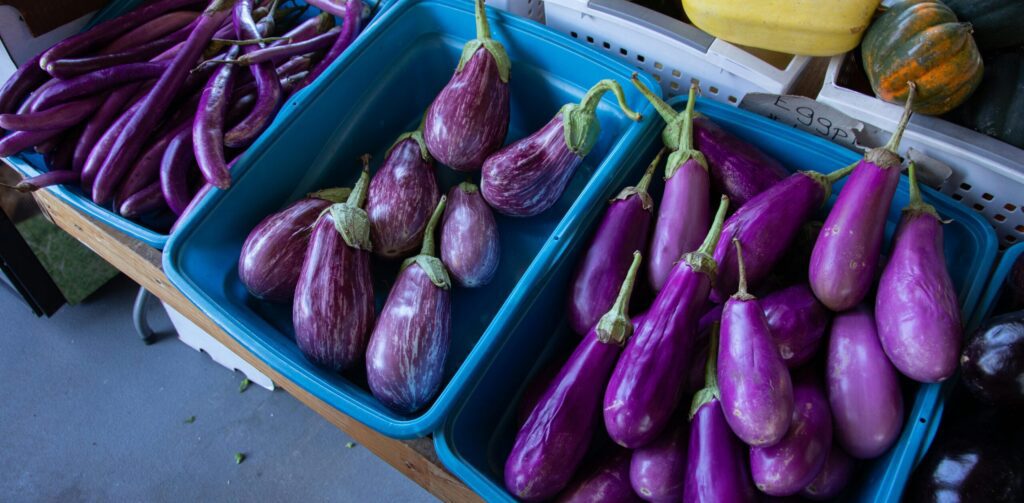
point(361, 105)
point(478, 436)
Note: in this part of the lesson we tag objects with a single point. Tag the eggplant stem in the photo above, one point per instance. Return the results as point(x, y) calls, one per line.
point(249, 41)
point(615, 325)
point(710, 390)
point(715, 232)
point(838, 174)
point(593, 97)
point(667, 113)
point(915, 190)
point(358, 195)
point(645, 181)
point(428, 236)
point(687, 133)
point(894, 141)
point(742, 290)
point(483, 29)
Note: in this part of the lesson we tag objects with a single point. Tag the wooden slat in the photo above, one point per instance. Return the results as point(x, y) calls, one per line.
point(416, 459)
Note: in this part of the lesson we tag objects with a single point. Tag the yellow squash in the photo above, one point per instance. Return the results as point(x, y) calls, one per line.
point(805, 27)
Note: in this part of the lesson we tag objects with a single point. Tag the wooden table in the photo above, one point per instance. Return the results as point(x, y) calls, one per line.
point(416, 459)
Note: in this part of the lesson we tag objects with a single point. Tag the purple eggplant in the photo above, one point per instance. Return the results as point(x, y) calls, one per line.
point(99, 81)
point(606, 482)
point(738, 169)
point(469, 237)
point(268, 85)
point(684, 213)
point(863, 386)
point(649, 377)
point(15, 142)
point(845, 257)
point(537, 386)
point(408, 348)
point(754, 384)
point(46, 179)
point(333, 310)
point(147, 200)
point(797, 322)
point(550, 445)
point(623, 230)
point(403, 194)
point(916, 307)
point(791, 464)
point(350, 29)
point(657, 471)
point(112, 107)
point(175, 164)
point(272, 255)
point(528, 176)
point(151, 30)
point(833, 478)
point(716, 466)
point(469, 118)
point(208, 126)
point(60, 116)
point(21, 84)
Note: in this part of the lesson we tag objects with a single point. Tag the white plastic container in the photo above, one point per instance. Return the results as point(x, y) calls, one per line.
point(530, 9)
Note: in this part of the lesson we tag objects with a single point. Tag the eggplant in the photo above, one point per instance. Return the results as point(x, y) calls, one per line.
point(351, 28)
point(833, 478)
point(657, 471)
point(409, 345)
point(147, 200)
point(623, 229)
point(551, 444)
point(45, 179)
point(649, 377)
point(333, 309)
point(538, 384)
point(470, 246)
point(269, 93)
point(754, 384)
point(916, 307)
point(977, 466)
point(527, 177)
point(797, 322)
point(738, 169)
point(273, 253)
point(790, 465)
point(606, 482)
point(684, 213)
point(403, 194)
point(716, 466)
point(469, 118)
point(845, 257)
point(21, 83)
point(992, 363)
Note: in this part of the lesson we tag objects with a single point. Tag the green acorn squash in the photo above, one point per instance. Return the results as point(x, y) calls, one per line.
point(997, 23)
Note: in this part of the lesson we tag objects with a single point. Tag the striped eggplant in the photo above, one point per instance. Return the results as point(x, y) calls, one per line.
point(685, 210)
point(649, 377)
point(916, 307)
point(845, 257)
point(551, 444)
point(272, 255)
point(797, 322)
point(863, 386)
point(528, 176)
point(333, 310)
point(623, 230)
point(657, 471)
point(403, 193)
point(406, 355)
point(606, 482)
point(754, 384)
point(738, 169)
point(469, 118)
point(833, 478)
point(470, 246)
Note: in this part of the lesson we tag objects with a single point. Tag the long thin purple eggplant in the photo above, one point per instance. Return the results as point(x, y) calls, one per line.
point(17, 141)
point(147, 200)
point(98, 81)
point(797, 322)
point(468, 119)
point(623, 230)
point(754, 383)
point(20, 84)
point(408, 348)
point(178, 158)
point(684, 213)
point(606, 482)
point(46, 179)
point(147, 169)
point(738, 169)
point(845, 257)
point(349, 31)
point(833, 478)
point(208, 128)
point(306, 30)
point(268, 86)
point(788, 466)
point(403, 195)
point(863, 386)
point(527, 177)
point(97, 125)
point(333, 310)
point(916, 306)
point(95, 163)
point(470, 245)
point(61, 116)
point(277, 53)
point(648, 380)
point(551, 444)
point(72, 68)
point(151, 30)
point(657, 471)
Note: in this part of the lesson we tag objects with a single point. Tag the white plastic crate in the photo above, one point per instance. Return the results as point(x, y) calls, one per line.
point(988, 174)
point(530, 9)
point(674, 52)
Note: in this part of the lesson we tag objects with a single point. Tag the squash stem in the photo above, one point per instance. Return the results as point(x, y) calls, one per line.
point(428, 234)
point(667, 113)
point(894, 142)
point(615, 326)
point(711, 240)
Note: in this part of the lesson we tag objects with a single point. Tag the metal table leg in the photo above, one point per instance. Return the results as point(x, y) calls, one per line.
point(139, 317)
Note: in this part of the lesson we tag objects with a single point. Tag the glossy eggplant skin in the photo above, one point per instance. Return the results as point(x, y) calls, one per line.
point(797, 322)
point(833, 478)
point(403, 193)
point(787, 467)
point(606, 482)
point(738, 169)
point(992, 363)
point(716, 467)
point(470, 246)
point(657, 471)
point(684, 215)
point(968, 468)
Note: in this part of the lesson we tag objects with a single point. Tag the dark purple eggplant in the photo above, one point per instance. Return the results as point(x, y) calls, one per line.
point(845, 257)
point(107, 113)
point(349, 31)
point(151, 30)
point(468, 119)
point(992, 364)
point(268, 85)
point(177, 160)
point(307, 29)
point(60, 116)
point(71, 68)
point(623, 230)
point(797, 322)
point(833, 478)
point(470, 246)
point(208, 127)
point(147, 169)
point(147, 200)
point(403, 194)
point(649, 377)
point(916, 307)
point(790, 465)
point(528, 176)
point(46, 179)
point(684, 213)
point(551, 444)
point(320, 42)
point(738, 169)
point(15, 142)
point(657, 471)
point(272, 255)
point(716, 466)
point(333, 310)
point(408, 348)
point(977, 466)
point(606, 482)
point(21, 84)
point(97, 82)
point(754, 384)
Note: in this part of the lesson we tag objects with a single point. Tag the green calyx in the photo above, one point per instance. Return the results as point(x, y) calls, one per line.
point(333, 194)
point(219, 5)
point(710, 390)
point(580, 125)
point(417, 136)
point(615, 327)
point(324, 22)
point(469, 187)
point(678, 132)
point(640, 190)
point(483, 39)
point(701, 260)
point(887, 156)
point(826, 181)
point(350, 219)
point(917, 203)
point(427, 259)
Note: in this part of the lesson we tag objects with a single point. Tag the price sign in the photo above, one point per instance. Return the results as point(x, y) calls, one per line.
point(815, 118)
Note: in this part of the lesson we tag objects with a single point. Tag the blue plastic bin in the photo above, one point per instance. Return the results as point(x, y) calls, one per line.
point(478, 436)
point(381, 90)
